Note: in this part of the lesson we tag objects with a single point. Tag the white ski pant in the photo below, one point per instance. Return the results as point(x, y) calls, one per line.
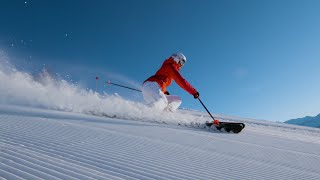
point(154, 97)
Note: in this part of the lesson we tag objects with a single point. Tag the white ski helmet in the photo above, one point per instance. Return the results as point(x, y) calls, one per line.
point(179, 58)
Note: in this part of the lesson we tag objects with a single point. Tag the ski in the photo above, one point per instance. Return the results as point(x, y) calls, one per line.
point(227, 126)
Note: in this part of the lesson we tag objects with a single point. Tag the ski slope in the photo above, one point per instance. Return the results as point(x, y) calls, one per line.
point(53, 129)
point(47, 144)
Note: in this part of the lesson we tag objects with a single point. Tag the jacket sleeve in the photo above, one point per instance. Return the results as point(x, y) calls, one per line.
point(184, 84)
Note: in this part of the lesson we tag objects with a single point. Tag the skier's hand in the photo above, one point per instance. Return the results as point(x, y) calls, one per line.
point(167, 93)
point(196, 95)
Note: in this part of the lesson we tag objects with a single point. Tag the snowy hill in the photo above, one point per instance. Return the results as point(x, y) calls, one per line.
point(37, 143)
point(306, 121)
point(51, 129)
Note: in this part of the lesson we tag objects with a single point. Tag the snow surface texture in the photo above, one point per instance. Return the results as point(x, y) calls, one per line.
point(47, 144)
point(47, 132)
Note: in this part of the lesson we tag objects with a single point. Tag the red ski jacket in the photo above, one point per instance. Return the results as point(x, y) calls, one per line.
point(168, 71)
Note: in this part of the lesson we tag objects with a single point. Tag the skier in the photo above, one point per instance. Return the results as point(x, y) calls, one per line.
point(154, 89)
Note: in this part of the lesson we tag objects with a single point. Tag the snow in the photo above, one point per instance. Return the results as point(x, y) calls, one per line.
point(51, 129)
point(37, 143)
point(21, 88)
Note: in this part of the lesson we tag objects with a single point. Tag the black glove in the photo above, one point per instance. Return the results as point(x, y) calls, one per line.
point(167, 93)
point(196, 95)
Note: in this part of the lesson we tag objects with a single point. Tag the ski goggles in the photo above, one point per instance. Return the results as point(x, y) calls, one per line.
point(182, 62)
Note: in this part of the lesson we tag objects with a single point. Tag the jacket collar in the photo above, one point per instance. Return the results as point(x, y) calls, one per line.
point(171, 61)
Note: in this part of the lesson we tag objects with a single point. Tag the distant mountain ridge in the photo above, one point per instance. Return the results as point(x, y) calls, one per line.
point(306, 121)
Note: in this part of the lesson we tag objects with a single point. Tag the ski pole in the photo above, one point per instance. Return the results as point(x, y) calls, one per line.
point(124, 86)
point(215, 121)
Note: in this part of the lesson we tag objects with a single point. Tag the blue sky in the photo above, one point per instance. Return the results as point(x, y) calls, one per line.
point(256, 59)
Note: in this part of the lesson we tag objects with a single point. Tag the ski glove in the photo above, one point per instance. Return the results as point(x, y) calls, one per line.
point(167, 93)
point(196, 95)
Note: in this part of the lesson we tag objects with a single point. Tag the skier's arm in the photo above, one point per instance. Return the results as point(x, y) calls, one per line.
point(184, 84)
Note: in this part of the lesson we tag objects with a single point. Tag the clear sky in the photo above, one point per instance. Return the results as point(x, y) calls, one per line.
point(250, 58)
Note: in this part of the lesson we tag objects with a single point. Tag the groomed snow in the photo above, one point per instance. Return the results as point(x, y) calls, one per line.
point(47, 131)
point(47, 144)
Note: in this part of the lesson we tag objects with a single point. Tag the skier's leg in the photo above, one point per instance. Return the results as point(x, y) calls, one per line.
point(173, 102)
point(154, 96)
